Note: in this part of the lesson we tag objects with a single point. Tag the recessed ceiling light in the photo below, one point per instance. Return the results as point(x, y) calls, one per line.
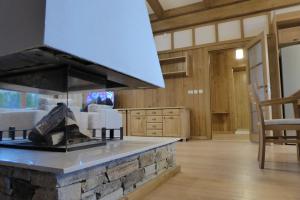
point(239, 54)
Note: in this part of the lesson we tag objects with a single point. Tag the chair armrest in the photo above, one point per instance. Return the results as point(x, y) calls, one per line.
point(287, 100)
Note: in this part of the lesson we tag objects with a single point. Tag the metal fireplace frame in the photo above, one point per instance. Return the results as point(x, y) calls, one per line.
point(27, 145)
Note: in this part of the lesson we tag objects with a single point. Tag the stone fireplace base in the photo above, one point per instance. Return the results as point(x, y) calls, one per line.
point(108, 181)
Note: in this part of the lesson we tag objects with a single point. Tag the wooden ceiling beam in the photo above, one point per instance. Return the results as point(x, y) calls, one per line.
point(206, 4)
point(180, 11)
point(156, 7)
point(220, 13)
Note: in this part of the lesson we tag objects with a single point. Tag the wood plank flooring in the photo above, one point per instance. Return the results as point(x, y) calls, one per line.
point(228, 170)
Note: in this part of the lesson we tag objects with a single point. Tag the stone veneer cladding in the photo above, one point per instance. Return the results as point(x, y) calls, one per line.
point(110, 181)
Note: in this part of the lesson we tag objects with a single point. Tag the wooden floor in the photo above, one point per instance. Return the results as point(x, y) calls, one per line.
point(228, 170)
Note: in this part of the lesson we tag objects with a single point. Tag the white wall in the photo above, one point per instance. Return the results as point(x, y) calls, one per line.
point(290, 74)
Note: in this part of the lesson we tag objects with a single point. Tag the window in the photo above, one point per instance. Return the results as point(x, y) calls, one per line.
point(32, 100)
point(12, 99)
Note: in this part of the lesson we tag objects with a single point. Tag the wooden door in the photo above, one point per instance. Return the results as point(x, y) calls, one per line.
point(138, 125)
point(171, 126)
point(242, 113)
point(258, 76)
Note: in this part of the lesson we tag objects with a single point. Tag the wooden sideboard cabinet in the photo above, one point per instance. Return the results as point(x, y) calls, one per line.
point(157, 122)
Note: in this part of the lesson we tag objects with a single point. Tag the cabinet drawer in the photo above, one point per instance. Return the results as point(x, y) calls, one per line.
point(154, 112)
point(137, 112)
point(154, 133)
point(154, 119)
point(171, 111)
point(289, 35)
point(154, 126)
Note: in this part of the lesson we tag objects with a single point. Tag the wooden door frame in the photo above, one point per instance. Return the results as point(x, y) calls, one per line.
point(208, 51)
point(263, 37)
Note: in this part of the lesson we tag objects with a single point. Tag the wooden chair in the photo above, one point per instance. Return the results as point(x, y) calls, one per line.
point(275, 124)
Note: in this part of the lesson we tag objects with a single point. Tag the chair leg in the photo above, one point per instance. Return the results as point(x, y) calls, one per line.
point(262, 156)
point(259, 148)
point(258, 155)
point(298, 152)
point(298, 146)
point(262, 150)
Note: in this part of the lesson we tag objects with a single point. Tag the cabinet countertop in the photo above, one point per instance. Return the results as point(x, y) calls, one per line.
point(152, 108)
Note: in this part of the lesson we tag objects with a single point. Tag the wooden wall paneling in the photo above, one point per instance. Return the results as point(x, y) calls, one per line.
point(148, 98)
point(199, 128)
point(231, 63)
point(242, 112)
point(140, 98)
point(176, 91)
point(207, 93)
point(187, 85)
point(204, 103)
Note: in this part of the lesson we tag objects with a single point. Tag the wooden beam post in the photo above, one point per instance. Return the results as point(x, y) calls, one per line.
point(156, 7)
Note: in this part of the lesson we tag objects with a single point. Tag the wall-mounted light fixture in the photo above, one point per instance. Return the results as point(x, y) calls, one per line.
point(239, 54)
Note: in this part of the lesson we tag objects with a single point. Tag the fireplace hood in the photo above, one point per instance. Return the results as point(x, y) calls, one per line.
point(55, 46)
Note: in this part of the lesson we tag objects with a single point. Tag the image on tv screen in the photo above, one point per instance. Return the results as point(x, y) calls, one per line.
point(103, 98)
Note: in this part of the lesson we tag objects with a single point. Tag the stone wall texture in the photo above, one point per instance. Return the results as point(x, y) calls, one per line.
point(110, 181)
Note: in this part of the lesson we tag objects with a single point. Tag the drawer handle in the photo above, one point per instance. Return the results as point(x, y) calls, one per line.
point(153, 112)
point(154, 119)
point(137, 113)
point(138, 118)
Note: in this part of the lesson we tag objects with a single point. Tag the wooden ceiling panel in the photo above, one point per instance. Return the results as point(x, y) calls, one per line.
point(170, 4)
point(221, 12)
point(197, 5)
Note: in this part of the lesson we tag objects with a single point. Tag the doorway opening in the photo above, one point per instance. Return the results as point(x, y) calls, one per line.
point(230, 113)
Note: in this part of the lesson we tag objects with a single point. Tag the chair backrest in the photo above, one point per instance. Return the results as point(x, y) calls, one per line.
point(255, 100)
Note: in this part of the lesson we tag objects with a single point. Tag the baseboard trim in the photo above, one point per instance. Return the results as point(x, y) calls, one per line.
point(148, 187)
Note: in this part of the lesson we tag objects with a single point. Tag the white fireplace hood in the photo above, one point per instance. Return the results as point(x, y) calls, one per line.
point(108, 39)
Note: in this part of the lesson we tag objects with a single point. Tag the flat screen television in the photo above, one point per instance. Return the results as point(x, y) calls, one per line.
point(101, 97)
